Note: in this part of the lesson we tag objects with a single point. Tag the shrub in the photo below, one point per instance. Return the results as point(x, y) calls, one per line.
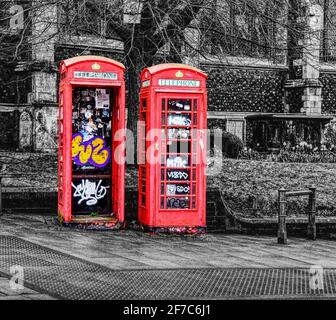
point(232, 145)
point(291, 156)
point(330, 136)
point(243, 181)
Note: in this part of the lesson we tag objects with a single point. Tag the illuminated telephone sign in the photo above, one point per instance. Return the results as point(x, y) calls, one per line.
point(91, 111)
point(172, 154)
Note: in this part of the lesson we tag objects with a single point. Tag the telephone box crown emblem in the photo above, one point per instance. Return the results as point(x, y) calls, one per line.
point(96, 66)
point(179, 74)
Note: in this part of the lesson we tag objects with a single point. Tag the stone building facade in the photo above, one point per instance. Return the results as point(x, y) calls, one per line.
point(296, 74)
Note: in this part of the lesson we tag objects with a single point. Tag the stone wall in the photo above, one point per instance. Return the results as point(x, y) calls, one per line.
point(294, 103)
point(14, 87)
point(46, 203)
point(245, 90)
point(9, 129)
point(45, 128)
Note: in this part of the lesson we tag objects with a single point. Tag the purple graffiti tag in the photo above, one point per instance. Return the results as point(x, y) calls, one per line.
point(80, 148)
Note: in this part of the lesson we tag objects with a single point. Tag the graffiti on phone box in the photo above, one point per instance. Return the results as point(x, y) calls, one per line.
point(179, 105)
point(174, 203)
point(88, 191)
point(93, 151)
point(178, 134)
point(173, 189)
point(178, 175)
point(179, 120)
point(177, 162)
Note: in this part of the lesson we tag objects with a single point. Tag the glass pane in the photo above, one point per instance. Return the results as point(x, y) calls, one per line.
point(179, 105)
point(143, 172)
point(91, 128)
point(179, 120)
point(194, 189)
point(178, 203)
point(91, 125)
point(178, 161)
point(178, 189)
point(194, 203)
point(178, 175)
point(144, 104)
point(179, 133)
point(194, 175)
point(178, 147)
point(143, 200)
point(194, 161)
point(163, 105)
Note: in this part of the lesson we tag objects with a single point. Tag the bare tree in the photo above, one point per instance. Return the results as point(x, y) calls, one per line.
point(168, 30)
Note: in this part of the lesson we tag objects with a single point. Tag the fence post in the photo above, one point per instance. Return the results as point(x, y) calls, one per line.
point(282, 233)
point(1, 213)
point(311, 232)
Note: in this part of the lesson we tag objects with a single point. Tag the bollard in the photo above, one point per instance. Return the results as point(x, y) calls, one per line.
point(311, 232)
point(282, 233)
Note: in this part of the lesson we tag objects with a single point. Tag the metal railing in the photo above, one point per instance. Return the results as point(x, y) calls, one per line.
point(282, 201)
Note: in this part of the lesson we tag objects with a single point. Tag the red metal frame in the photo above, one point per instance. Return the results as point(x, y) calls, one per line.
point(98, 65)
point(160, 84)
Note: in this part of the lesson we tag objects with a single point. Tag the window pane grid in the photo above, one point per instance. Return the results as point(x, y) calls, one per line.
point(178, 170)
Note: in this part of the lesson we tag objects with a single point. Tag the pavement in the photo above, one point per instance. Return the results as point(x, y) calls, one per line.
point(134, 250)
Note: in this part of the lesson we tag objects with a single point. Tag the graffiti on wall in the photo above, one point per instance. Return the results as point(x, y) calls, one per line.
point(88, 191)
point(93, 151)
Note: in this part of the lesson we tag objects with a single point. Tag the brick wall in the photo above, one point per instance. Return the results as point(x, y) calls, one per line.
point(245, 90)
point(328, 93)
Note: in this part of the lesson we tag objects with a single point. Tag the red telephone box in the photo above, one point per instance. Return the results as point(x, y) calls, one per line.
point(91, 113)
point(172, 149)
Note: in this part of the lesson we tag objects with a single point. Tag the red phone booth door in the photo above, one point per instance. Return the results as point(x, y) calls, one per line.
point(92, 135)
point(181, 178)
point(91, 117)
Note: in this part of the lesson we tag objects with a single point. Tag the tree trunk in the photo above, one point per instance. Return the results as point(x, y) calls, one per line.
point(134, 65)
point(139, 56)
